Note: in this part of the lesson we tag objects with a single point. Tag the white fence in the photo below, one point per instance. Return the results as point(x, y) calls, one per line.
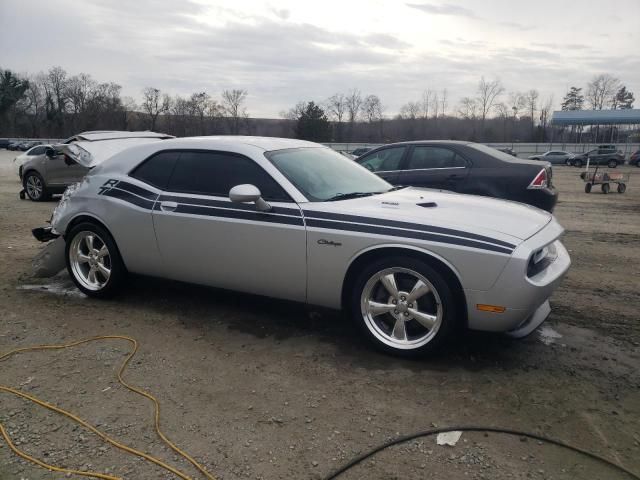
point(522, 149)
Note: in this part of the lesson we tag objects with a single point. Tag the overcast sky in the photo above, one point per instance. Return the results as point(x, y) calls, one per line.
point(284, 51)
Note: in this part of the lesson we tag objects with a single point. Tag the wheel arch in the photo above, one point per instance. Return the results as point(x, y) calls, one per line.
point(87, 217)
point(435, 261)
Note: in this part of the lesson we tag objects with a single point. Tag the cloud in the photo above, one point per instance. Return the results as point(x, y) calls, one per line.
point(444, 9)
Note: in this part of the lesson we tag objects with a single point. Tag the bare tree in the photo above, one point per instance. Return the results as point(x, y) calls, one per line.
point(410, 110)
point(531, 101)
point(336, 108)
point(503, 112)
point(199, 105)
point(233, 108)
point(468, 108)
point(128, 109)
point(154, 104)
point(443, 102)
point(601, 90)
point(516, 103)
point(427, 100)
point(372, 108)
point(487, 94)
point(36, 99)
point(354, 105)
point(545, 110)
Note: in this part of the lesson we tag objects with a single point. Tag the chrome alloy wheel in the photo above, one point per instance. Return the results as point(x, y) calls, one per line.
point(90, 260)
point(401, 308)
point(34, 186)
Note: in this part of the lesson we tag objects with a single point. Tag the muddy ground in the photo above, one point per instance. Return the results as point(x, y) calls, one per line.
point(256, 388)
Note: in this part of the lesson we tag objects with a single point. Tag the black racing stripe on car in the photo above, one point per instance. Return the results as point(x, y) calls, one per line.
point(397, 224)
point(393, 232)
point(225, 204)
point(129, 197)
point(236, 214)
point(130, 187)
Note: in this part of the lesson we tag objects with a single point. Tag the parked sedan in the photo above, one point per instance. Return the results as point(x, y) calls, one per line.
point(554, 157)
point(43, 176)
point(634, 158)
point(464, 167)
point(295, 220)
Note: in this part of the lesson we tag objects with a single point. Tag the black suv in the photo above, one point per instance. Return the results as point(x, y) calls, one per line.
point(464, 167)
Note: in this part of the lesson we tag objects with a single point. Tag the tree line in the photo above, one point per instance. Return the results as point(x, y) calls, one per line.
point(56, 104)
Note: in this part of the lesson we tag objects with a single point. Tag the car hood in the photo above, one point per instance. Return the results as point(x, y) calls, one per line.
point(506, 220)
point(92, 153)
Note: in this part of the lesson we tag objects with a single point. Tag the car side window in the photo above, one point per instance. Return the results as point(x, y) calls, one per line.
point(36, 151)
point(157, 169)
point(426, 157)
point(384, 160)
point(215, 173)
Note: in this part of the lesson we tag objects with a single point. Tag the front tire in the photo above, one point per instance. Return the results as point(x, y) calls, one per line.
point(577, 163)
point(35, 187)
point(403, 306)
point(612, 163)
point(93, 260)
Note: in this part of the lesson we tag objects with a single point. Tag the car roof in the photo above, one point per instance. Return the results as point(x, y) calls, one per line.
point(213, 142)
point(420, 142)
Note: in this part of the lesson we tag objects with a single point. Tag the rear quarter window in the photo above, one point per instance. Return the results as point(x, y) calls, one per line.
point(157, 169)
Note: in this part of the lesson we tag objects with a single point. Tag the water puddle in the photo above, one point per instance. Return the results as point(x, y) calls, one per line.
point(548, 335)
point(62, 287)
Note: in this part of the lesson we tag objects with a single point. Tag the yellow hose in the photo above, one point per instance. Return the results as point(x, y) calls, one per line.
point(106, 438)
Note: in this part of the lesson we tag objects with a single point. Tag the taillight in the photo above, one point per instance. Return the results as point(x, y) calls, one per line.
point(540, 181)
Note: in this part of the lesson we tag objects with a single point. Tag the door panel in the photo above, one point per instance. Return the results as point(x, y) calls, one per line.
point(60, 173)
point(205, 238)
point(434, 167)
point(212, 241)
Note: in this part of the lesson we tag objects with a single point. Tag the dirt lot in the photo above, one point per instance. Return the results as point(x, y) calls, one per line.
point(256, 388)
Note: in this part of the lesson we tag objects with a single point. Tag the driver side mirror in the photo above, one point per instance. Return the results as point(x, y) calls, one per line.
point(249, 194)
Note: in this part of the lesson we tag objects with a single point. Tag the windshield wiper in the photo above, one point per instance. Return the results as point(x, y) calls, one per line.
point(397, 187)
point(346, 196)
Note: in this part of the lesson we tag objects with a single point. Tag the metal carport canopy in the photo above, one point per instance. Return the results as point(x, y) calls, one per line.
point(596, 117)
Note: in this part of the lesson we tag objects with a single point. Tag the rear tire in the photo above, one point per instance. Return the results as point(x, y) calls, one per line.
point(622, 187)
point(587, 188)
point(612, 163)
point(35, 187)
point(403, 306)
point(577, 163)
point(605, 188)
point(93, 260)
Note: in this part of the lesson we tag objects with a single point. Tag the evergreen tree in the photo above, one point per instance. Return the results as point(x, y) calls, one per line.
point(313, 124)
point(573, 100)
point(623, 99)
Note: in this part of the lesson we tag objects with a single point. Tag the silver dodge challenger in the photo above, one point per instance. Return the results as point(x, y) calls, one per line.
point(295, 220)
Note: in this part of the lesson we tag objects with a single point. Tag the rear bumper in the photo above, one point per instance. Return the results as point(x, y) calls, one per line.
point(544, 198)
point(44, 234)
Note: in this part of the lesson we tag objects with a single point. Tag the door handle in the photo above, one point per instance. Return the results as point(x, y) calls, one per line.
point(168, 206)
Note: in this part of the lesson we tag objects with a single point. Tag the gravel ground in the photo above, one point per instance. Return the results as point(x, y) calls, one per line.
point(263, 389)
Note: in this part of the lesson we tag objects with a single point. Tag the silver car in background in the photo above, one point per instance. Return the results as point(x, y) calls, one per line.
point(555, 157)
point(31, 154)
point(295, 220)
point(52, 171)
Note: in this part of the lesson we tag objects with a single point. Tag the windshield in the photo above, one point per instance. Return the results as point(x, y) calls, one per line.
point(322, 174)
